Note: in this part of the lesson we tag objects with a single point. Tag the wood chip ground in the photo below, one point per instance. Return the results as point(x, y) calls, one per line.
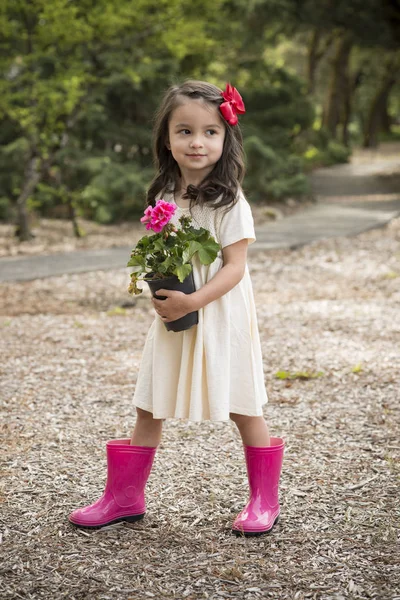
point(329, 317)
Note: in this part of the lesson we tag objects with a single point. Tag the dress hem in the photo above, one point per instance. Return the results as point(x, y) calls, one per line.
point(237, 411)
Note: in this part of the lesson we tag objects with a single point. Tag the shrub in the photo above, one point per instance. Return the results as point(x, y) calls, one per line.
point(272, 176)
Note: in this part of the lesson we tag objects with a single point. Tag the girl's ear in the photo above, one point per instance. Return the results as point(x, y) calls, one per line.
point(168, 145)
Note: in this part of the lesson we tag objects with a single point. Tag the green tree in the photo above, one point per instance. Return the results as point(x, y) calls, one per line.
point(332, 31)
point(58, 58)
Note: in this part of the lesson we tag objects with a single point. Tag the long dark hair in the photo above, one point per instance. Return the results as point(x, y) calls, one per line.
point(224, 180)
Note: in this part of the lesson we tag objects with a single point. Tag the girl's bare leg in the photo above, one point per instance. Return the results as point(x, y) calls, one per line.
point(147, 431)
point(254, 430)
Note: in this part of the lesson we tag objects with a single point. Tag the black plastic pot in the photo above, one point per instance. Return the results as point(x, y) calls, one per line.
point(172, 283)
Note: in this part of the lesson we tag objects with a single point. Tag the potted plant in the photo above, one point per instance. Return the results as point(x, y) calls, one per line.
point(163, 259)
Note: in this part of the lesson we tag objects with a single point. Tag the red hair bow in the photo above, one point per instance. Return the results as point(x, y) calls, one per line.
point(233, 105)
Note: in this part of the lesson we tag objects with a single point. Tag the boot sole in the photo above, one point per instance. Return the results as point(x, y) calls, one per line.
point(240, 533)
point(131, 519)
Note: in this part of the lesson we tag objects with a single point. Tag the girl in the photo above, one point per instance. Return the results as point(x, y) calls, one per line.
point(213, 370)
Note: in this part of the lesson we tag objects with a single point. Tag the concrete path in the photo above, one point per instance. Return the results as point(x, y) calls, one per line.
point(50, 265)
point(322, 221)
point(350, 199)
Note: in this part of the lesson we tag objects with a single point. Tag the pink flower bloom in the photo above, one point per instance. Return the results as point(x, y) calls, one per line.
point(147, 217)
point(156, 218)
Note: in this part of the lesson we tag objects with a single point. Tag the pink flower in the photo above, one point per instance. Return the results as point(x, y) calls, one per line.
point(147, 217)
point(156, 218)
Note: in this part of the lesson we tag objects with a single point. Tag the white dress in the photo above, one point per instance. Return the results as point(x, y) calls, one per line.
point(214, 368)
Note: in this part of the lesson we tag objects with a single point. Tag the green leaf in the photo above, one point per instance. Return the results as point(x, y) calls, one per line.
point(165, 266)
point(136, 261)
point(144, 241)
point(183, 271)
point(186, 255)
point(298, 375)
point(159, 244)
point(117, 311)
point(208, 252)
point(190, 251)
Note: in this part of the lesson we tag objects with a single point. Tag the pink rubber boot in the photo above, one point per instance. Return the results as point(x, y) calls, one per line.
point(128, 469)
point(263, 470)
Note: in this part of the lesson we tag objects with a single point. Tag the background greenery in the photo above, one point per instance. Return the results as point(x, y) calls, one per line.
point(80, 80)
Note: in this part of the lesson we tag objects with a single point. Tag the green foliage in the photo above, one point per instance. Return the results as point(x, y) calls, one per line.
point(115, 191)
point(5, 209)
point(371, 22)
point(332, 154)
point(85, 78)
point(272, 175)
point(13, 153)
point(117, 311)
point(303, 375)
point(80, 82)
point(278, 111)
point(317, 149)
point(101, 188)
point(170, 251)
point(336, 153)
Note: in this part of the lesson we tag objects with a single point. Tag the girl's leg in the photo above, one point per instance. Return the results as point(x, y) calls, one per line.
point(129, 463)
point(254, 430)
point(147, 431)
point(263, 461)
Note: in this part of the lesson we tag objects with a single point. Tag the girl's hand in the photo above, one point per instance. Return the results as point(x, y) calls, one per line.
point(176, 305)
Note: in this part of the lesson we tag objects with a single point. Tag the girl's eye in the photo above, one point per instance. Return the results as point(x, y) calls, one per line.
point(211, 131)
point(185, 131)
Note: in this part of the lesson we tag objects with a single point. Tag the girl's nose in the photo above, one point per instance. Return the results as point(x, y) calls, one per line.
point(196, 143)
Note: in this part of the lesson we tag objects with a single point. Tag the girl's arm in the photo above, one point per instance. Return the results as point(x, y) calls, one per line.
point(178, 304)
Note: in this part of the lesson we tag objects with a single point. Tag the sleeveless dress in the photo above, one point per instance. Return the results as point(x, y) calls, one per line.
point(214, 368)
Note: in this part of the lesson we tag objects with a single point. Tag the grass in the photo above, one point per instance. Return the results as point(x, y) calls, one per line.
point(302, 375)
point(391, 275)
point(117, 311)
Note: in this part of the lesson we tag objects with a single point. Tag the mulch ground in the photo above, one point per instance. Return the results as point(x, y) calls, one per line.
point(330, 330)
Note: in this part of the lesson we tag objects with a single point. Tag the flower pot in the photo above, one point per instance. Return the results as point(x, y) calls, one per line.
point(172, 283)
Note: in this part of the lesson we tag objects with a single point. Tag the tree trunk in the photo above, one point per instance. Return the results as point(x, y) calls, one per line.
point(316, 51)
point(32, 178)
point(352, 85)
point(333, 112)
point(72, 216)
point(378, 104)
point(67, 196)
point(312, 59)
point(386, 121)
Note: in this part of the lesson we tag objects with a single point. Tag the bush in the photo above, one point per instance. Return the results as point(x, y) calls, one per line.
point(270, 175)
point(317, 149)
point(278, 108)
point(5, 209)
point(100, 188)
point(334, 153)
point(278, 111)
point(116, 191)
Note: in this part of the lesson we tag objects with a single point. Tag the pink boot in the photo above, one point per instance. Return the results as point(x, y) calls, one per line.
point(128, 469)
point(263, 470)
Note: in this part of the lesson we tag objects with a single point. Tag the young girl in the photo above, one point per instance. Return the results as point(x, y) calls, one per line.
point(213, 370)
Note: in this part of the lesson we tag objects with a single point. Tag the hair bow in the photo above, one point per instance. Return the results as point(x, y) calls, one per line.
point(233, 105)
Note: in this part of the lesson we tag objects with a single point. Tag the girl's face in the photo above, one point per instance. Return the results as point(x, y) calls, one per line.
point(196, 137)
